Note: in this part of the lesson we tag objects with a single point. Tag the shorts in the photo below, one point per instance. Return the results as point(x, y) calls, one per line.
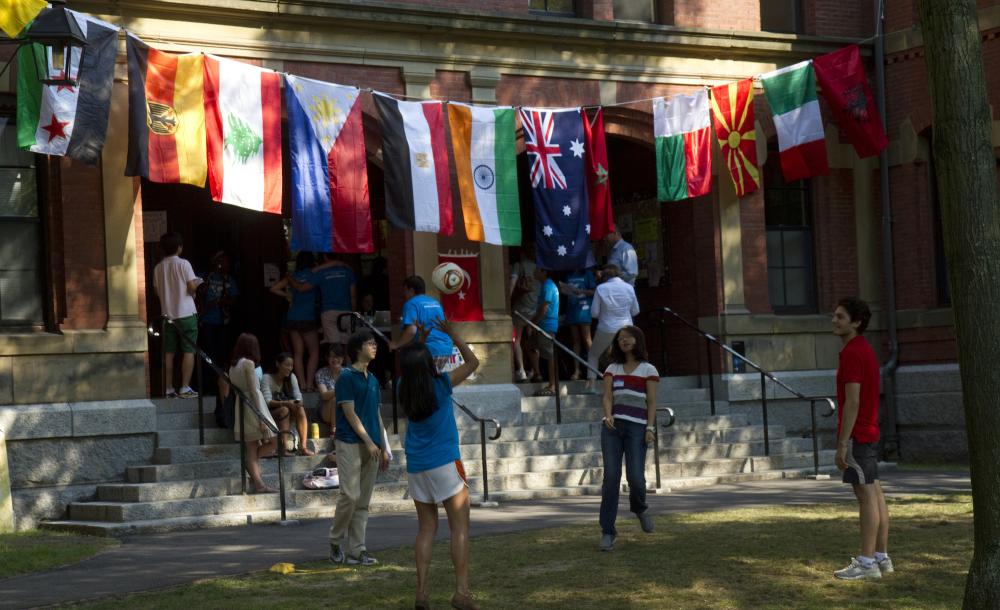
point(171, 340)
point(543, 345)
point(301, 326)
point(331, 333)
point(862, 463)
point(437, 484)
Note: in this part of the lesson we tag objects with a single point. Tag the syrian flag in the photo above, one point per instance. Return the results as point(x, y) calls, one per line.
point(791, 93)
point(62, 120)
point(683, 146)
point(415, 157)
point(330, 205)
point(243, 127)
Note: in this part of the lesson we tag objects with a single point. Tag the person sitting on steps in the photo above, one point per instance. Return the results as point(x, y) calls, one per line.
point(283, 397)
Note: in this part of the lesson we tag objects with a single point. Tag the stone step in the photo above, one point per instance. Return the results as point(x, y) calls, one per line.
point(568, 387)
point(578, 415)
point(693, 398)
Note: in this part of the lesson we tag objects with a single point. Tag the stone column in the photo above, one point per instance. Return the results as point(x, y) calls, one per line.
point(417, 78)
point(731, 243)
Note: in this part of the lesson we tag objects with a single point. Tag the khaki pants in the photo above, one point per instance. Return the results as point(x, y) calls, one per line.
point(357, 470)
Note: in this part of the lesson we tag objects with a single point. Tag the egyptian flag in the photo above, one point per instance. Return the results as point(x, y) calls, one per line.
point(598, 183)
point(841, 77)
point(464, 305)
point(166, 130)
point(415, 157)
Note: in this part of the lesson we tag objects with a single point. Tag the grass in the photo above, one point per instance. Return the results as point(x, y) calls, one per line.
point(935, 466)
point(774, 557)
point(35, 551)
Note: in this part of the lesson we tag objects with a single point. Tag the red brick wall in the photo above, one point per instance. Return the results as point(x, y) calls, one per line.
point(517, 90)
point(839, 18)
point(84, 261)
point(753, 237)
point(711, 14)
point(835, 243)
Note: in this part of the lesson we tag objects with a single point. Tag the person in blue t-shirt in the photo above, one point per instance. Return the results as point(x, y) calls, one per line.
point(422, 311)
point(338, 295)
point(433, 461)
point(547, 318)
point(361, 450)
point(579, 290)
point(300, 320)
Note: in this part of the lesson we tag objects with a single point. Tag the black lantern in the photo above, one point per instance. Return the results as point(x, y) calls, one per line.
point(62, 42)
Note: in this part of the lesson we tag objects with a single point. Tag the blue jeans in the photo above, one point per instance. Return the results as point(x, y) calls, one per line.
point(628, 438)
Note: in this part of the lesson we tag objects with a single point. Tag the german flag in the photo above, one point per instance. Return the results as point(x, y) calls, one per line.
point(166, 132)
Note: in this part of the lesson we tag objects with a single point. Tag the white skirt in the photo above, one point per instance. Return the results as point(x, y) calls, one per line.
point(437, 484)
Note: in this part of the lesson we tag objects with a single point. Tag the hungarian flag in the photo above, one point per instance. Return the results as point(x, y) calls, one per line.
point(166, 104)
point(732, 111)
point(683, 147)
point(841, 77)
point(330, 205)
point(15, 14)
point(791, 93)
point(243, 125)
point(63, 120)
point(415, 158)
point(598, 182)
point(464, 305)
point(482, 141)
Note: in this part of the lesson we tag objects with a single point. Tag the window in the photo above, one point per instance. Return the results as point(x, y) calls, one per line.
point(554, 7)
point(788, 219)
point(635, 10)
point(782, 16)
point(21, 287)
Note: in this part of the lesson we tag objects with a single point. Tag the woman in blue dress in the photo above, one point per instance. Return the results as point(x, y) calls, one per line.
point(300, 321)
point(579, 289)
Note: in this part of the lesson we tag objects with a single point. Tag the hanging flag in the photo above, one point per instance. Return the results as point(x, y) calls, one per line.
point(415, 158)
point(166, 130)
point(464, 305)
point(791, 93)
point(482, 142)
point(732, 111)
point(683, 147)
point(243, 125)
point(63, 120)
point(554, 141)
point(598, 182)
point(15, 14)
point(330, 206)
point(841, 77)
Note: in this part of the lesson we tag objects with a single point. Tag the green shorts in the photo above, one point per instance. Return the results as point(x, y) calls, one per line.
point(171, 342)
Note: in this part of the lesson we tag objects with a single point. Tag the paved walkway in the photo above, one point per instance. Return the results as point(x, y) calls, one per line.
point(163, 560)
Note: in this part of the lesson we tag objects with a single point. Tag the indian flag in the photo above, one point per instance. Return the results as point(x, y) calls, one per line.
point(791, 93)
point(683, 147)
point(482, 141)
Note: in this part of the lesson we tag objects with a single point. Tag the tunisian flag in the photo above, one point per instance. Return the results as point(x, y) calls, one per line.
point(465, 305)
point(598, 185)
point(841, 77)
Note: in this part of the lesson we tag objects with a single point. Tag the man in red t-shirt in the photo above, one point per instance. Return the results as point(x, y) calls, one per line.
point(858, 435)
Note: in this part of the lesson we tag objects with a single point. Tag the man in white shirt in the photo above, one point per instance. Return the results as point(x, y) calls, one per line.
point(175, 284)
point(622, 255)
point(614, 305)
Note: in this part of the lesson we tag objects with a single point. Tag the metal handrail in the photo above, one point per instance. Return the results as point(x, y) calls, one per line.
point(244, 400)
point(656, 440)
point(354, 315)
point(482, 442)
point(764, 376)
point(564, 348)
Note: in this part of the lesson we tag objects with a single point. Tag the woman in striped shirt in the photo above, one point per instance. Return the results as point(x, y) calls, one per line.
point(629, 424)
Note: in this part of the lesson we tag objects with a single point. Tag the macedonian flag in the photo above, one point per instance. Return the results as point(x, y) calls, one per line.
point(732, 111)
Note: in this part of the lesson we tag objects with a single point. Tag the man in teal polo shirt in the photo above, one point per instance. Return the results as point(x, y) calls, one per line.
point(360, 451)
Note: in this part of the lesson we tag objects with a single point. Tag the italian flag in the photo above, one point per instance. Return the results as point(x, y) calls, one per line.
point(243, 127)
point(482, 140)
point(791, 93)
point(683, 146)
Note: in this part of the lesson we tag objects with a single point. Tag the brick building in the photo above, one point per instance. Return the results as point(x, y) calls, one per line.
point(76, 365)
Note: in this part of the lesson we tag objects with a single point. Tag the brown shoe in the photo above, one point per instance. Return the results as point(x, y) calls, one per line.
point(422, 602)
point(463, 602)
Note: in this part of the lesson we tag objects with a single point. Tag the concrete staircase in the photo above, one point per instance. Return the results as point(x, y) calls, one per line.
point(192, 486)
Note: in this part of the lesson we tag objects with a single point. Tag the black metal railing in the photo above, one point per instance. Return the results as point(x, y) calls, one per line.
point(764, 377)
point(243, 400)
point(482, 442)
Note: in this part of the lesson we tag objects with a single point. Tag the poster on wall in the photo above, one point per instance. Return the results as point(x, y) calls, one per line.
point(154, 225)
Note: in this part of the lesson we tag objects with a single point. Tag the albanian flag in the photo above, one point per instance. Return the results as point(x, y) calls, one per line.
point(732, 110)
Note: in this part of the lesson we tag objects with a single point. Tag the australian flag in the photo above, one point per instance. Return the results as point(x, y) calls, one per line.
point(554, 141)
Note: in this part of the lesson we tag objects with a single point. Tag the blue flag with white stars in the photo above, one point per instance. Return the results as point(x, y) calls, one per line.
point(554, 141)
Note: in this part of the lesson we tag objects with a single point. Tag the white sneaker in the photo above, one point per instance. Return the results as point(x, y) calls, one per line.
point(857, 571)
point(520, 377)
point(885, 566)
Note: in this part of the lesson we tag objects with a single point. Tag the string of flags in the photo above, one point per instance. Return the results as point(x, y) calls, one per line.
point(199, 119)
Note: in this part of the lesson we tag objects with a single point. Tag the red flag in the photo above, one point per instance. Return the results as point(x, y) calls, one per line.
point(598, 185)
point(465, 305)
point(352, 218)
point(732, 111)
point(841, 77)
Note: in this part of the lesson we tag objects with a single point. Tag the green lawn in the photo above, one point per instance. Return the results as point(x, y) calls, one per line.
point(775, 557)
point(34, 551)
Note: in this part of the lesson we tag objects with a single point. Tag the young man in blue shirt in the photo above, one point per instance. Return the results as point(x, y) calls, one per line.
point(423, 311)
point(338, 295)
point(547, 318)
point(359, 440)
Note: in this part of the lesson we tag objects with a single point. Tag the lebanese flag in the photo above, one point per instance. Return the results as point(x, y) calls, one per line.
point(841, 76)
point(683, 146)
point(602, 221)
point(464, 305)
point(243, 126)
point(791, 93)
point(330, 206)
point(415, 158)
